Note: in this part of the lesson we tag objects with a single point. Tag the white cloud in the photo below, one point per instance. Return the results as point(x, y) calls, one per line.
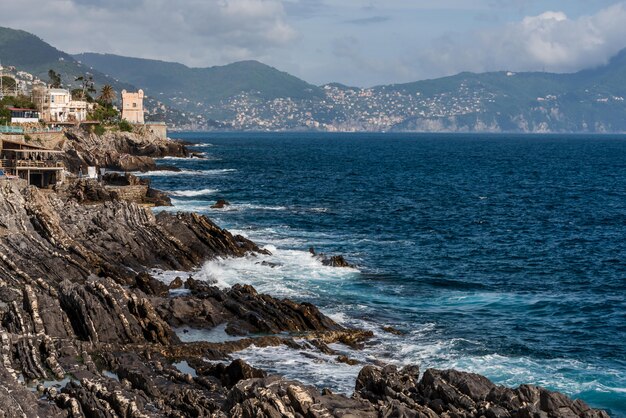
point(197, 32)
point(549, 41)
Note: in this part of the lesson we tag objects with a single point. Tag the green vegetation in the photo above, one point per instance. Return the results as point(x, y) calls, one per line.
point(5, 115)
point(105, 114)
point(209, 85)
point(125, 126)
point(55, 79)
point(107, 94)
point(79, 94)
point(99, 129)
point(13, 101)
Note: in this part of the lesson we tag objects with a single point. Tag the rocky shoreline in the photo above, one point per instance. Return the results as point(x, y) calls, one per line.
point(86, 331)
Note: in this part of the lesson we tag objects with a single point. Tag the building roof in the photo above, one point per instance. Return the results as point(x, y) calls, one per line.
point(22, 109)
point(33, 147)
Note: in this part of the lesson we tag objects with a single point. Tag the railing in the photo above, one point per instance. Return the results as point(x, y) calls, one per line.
point(39, 164)
point(11, 129)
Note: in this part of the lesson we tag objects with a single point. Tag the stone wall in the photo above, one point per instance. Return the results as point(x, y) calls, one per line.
point(135, 194)
point(158, 128)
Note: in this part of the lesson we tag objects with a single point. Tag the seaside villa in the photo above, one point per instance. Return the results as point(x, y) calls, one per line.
point(57, 106)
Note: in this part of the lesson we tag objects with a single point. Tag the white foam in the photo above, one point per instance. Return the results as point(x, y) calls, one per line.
point(286, 273)
point(167, 173)
point(248, 206)
point(193, 193)
point(315, 368)
point(174, 158)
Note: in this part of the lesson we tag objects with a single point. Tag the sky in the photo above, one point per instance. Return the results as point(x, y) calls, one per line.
point(355, 42)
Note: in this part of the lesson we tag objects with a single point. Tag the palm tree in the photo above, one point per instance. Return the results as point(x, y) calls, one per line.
point(107, 94)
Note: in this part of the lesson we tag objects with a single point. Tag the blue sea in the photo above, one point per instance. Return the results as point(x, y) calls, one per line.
point(502, 255)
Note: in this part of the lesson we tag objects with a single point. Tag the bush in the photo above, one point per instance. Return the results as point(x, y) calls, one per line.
point(104, 114)
point(125, 126)
point(99, 130)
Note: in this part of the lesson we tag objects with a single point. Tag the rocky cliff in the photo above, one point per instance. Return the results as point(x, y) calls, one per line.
point(116, 150)
point(86, 331)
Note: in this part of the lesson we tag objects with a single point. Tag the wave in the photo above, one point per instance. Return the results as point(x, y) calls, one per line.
point(167, 173)
point(247, 206)
point(192, 193)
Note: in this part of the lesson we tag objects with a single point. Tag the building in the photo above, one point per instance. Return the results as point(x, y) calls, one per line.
point(34, 164)
point(19, 115)
point(132, 106)
point(56, 105)
point(158, 128)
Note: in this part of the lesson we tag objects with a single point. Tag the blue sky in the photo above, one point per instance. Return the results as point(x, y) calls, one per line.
point(356, 42)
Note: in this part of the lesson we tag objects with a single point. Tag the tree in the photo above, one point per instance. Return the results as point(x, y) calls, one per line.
point(107, 94)
point(55, 79)
point(79, 94)
point(87, 84)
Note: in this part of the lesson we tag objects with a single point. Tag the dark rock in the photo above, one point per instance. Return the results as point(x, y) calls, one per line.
point(150, 286)
point(220, 204)
point(157, 198)
point(177, 283)
point(392, 330)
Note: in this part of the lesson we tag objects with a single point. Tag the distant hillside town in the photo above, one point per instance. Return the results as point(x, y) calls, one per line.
point(252, 96)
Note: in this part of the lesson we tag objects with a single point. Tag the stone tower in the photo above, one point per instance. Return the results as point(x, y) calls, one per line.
point(132, 106)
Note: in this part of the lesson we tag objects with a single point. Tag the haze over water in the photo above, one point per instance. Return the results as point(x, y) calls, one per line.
point(501, 255)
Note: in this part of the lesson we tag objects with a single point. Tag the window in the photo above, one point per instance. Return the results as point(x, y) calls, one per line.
point(134, 104)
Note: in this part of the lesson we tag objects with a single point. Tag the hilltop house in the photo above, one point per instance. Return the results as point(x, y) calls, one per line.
point(34, 164)
point(132, 106)
point(56, 105)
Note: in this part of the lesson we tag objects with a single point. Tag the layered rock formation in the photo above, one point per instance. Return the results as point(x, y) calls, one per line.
point(86, 331)
point(122, 151)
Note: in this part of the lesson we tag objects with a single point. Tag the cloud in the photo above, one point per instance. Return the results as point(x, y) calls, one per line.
point(197, 32)
point(368, 20)
point(549, 41)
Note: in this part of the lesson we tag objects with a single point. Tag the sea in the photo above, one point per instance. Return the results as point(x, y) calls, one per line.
point(503, 255)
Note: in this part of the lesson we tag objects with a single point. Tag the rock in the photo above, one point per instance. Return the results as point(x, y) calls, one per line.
point(454, 393)
point(122, 151)
point(220, 204)
point(177, 283)
point(150, 285)
point(392, 330)
point(77, 301)
point(337, 261)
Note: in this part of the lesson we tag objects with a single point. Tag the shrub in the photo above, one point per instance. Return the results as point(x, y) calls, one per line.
point(99, 130)
point(125, 126)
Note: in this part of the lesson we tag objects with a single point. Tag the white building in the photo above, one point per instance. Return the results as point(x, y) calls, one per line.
point(56, 105)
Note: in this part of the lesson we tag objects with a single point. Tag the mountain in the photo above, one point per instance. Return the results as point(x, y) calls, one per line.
point(31, 54)
point(209, 85)
point(249, 95)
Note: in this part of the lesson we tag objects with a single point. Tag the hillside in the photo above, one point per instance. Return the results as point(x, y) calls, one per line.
point(209, 85)
point(29, 53)
point(249, 95)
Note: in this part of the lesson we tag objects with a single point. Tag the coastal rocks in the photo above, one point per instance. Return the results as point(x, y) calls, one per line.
point(277, 397)
point(123, 151)
point(331, 261)
point(336, 261)
point(246, 312)
point(460, 394)
point(220, 204)
point(113, 238)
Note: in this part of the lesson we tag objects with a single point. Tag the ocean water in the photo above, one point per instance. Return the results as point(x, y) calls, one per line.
point(501, 255)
